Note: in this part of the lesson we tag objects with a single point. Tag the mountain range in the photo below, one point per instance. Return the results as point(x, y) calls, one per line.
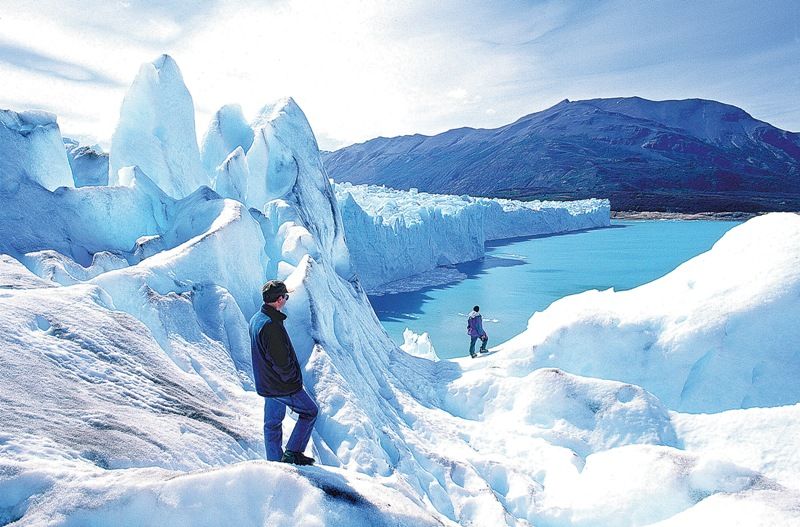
point(687, 156)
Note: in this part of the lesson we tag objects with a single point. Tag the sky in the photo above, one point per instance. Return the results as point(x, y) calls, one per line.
point(363, 69)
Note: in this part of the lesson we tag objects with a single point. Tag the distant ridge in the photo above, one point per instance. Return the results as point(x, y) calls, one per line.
point(686, 156)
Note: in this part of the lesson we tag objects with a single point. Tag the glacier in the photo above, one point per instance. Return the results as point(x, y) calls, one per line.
point(128, 400)
point(394, 234)
point(89, 164)
point(156, 130)
point(28, 141)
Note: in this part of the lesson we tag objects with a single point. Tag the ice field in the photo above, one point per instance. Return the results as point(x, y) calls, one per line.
point(126, 386)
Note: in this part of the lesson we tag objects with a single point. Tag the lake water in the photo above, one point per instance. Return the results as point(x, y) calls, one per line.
point(521, 276)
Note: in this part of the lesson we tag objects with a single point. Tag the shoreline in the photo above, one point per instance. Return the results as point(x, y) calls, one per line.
point(649, 215)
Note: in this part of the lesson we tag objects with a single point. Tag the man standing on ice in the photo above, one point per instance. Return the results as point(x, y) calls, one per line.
point(475, 332)
point(279, 379)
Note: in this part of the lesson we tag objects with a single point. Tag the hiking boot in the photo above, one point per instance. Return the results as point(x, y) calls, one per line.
point(296, 458)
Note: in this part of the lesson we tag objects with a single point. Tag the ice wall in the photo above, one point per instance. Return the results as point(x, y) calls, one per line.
point(156, 131)
point(504, 218)
point(395, 234)
point(80, 223)
point(32, 150)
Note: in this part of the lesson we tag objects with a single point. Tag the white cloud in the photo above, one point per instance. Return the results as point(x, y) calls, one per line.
point(364, 69)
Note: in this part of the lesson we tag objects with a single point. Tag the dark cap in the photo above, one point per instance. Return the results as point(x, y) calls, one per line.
point(273, 290)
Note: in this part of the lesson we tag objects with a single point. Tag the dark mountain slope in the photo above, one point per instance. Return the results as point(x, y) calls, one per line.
point(683, 156)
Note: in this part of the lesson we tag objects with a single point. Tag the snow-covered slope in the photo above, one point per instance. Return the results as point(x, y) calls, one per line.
point(724, 325)
point(74, 492)
point(127, 398)
point(394, 234)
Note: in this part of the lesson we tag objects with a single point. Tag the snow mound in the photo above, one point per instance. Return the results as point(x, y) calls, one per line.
point(723, 325)
point(584, 415)
point(763, 439)
point(72, 492)
point(644, 484)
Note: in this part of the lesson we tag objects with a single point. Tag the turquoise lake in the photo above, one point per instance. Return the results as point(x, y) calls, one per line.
point(520, 276)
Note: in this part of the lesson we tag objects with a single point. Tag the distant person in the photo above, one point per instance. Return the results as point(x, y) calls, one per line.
point(279, 379)
point(475, 332)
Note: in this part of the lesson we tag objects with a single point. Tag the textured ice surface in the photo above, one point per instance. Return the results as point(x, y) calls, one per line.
point(156, 131)
point(127, 395)
point(231, 176)
point(227, 131)
point(243, 494)
point(89, 164)
point(395, 234)
point(418, 345)
point(32, 151)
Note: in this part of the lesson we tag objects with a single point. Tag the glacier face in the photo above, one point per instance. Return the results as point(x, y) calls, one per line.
point(394, 234)
point(123, 316)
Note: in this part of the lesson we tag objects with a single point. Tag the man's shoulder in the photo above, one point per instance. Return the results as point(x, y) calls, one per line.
point(261, 319)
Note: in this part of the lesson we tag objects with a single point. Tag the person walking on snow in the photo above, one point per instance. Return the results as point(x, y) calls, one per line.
point(475, 332)
point(279, 379)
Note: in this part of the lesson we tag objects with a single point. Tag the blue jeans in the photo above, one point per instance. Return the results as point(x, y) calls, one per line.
point(472, 344)
point(274, 412)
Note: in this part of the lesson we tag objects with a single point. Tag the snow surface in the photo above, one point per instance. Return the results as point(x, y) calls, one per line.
point(394, 234)
point(128, 400)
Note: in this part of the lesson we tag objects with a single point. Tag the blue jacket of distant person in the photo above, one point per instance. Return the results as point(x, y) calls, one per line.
point(275, 366)
point(475, 325)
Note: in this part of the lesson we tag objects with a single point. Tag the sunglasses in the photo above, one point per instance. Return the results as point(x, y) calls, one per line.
point(286, 296)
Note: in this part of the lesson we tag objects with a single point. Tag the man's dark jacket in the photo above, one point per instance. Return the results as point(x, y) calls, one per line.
point(275, 365)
